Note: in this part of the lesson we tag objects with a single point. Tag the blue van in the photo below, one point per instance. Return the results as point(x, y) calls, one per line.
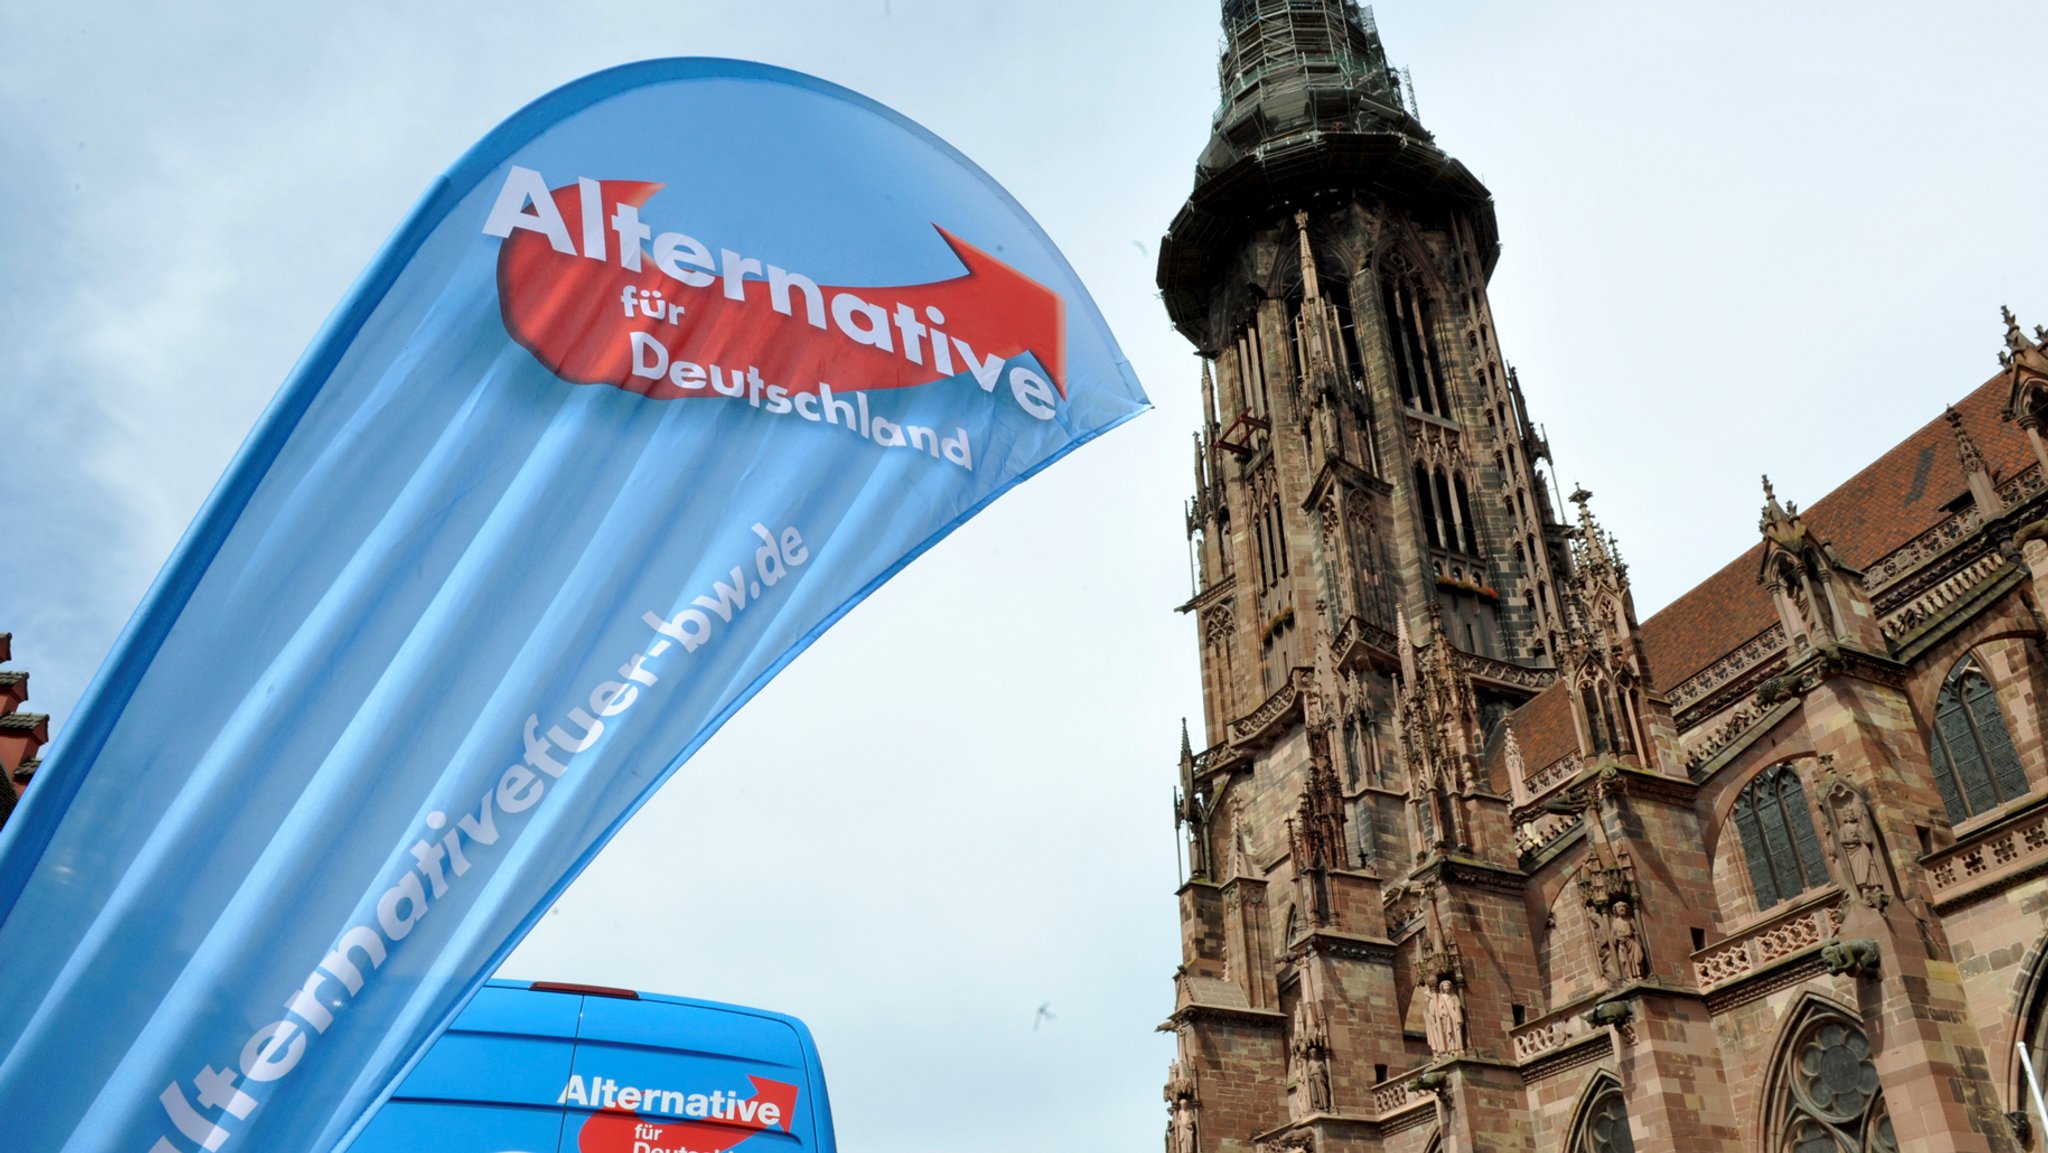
point(558, 1068)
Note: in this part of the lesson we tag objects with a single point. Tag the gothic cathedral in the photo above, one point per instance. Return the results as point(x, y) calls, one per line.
point(1477, 860)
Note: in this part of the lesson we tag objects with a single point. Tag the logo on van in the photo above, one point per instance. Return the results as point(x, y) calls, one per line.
point(712, 1122)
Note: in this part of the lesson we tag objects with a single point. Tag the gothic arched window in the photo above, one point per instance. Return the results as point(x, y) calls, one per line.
point(1602, 722)
point(1826, 1097)
point(1975, 766)
point(1339, 294)
point(1411, 344)
point(1252, 372)
point(1425, 495)
point(1603, 1124)
point(1446, 512)
point(1778, 839)
point(1471, 534)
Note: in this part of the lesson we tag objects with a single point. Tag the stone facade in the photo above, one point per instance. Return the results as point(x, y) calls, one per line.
point(22, 735)
point(1477, 859)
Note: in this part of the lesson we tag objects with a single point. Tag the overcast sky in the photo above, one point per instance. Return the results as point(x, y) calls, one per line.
point(1739, 238)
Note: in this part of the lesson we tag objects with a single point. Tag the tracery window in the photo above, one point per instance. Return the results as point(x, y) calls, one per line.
point(1604, 1128)
point(1470, 535)
point(1252, 373)
point(1411, 344)
point(1269, 529)
point(1975, 766)
point(1369, 566)
point(1347, 334)
point(1779, 842)
point(1827, 1098)
point(1441, 800)
point(1446, 508)
point(1603, 721)
point(1425, 495)
point(1447, 512)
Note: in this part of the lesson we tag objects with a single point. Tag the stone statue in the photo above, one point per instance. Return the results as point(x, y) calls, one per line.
point(1446, 1019)
point(1181, 1129)
point(1855, 848)
point(1310, 1060)
point(1308, 1063)
point(1629, 963)
point(1319, 1078)
point(1854, 843)
point(1180, 1097)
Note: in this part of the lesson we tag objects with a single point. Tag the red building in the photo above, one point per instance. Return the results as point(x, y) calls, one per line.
point(1478, 860)
point(22, 735)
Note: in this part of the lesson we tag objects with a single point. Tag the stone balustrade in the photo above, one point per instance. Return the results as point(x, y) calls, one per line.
point(1929, 604)
point(1554, 774)
point(2005, 849)
point(1802, 926)
point(1400, 1094)
point(1550, 1033)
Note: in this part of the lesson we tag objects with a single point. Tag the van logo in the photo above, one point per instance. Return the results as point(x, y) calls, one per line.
point(710, 1122)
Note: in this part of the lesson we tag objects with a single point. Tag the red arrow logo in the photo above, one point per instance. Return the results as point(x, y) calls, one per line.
point(579, 316)
point(621, 1130)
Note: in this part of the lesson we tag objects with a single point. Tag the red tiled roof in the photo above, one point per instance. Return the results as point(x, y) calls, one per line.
point(1544, 729)
point(1897, 497)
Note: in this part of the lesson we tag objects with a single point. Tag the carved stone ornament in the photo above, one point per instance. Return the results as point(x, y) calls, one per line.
point(1857, 957)
point(1241, 850)
point(1610, 1013)
point(1216, 624)
point(2026, 361)
point(1292, 1143)
point(1511, 753)
point(2022, 1127)
point(1316, 832)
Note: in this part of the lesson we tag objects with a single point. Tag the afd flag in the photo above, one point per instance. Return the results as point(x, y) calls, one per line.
point(664, 376)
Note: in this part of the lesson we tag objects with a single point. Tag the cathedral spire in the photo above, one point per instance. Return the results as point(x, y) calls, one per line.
point(1380, 574)
point(1597, 549)
point(1310, 109)
point(1284, 54)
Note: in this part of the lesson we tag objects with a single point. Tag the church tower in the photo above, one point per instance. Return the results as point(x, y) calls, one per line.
point(1383, 580)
